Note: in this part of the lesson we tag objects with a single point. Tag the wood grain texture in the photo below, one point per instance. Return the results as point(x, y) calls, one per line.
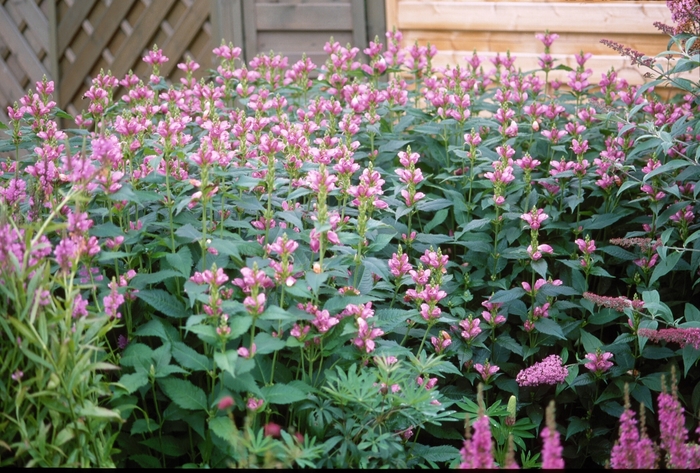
point(457, 28)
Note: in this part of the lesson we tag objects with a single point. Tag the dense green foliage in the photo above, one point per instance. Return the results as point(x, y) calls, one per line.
point(317, 266)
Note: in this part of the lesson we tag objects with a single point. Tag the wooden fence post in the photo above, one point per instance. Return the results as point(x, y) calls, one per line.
point(226, 18)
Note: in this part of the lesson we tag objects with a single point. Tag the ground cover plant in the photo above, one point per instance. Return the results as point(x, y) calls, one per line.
point(370, 262)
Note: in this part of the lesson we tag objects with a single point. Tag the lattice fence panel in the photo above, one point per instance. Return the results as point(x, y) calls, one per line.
point(114, 35)
point(25, 44)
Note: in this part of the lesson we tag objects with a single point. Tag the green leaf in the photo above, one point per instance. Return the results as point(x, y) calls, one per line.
point(153, 328)
point(549, 327)
point(166, 444)
point(315, 280)
point(380, 242)
point(140, 280)
point(590, 342)
point(474, 224)
point(133, 381)
point(439, 453)
point(206, 333)
point(234, 248)
point(665, 168)
point(266, 343)
point(428, 205)
point(439, 217)
point(275, 312)
point(188, 232)
point(282, 394)
point(598, 271)
point(106, 256)
point(540, 267)
point(508, 295)
point(664, 266)
point(550, 290)
point(651, 352)
point(642, 394)
point(389, 319)
point(604, 316)
point(137, 355)
point(695, 398)
point(227, 361)
point(184, 394)
point(146, 461)
point(598, 221)
point(291, 217)
point(239, 325)
point(189, 358)
point(181, 261)
point(690, 356)
point(393, 145)
point(224, 428)
point(91, 410)
point(692, 314)
point(509, 343)
point(164, 302)
point(575, 426)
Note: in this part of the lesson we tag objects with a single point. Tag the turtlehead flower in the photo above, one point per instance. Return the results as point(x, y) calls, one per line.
point(598, 362)
point(486, 370)
point(537, 253)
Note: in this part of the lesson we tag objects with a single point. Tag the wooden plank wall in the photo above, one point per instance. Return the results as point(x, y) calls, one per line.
point(292, 27)
point(457, 28)
point(71, 41)
point(25, 48)
point(95, 35)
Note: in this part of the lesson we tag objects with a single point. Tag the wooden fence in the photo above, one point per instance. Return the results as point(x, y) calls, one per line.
point(457, 28)
point(70, 41)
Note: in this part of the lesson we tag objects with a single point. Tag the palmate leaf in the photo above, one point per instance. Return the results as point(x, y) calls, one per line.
point(184, 394)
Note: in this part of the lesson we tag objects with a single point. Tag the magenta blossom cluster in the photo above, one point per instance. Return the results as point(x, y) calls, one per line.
point(681, 336)
point(632, 450)
point(548, 371)
point(477, 451)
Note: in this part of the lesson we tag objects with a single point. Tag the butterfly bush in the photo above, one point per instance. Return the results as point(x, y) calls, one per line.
point(278, 263)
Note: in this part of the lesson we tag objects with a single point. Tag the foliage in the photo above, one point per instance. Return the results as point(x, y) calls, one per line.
point(316, 266)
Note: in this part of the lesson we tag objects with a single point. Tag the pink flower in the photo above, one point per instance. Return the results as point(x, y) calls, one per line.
point(243, 352)
point(486, 370)
point(477, 452)
point(674, 435)
point(551, 449)
point(535, 218)
point(399, 265)
point(470, 328)
point(681, 336)
point(225, 403)
point(547, 38)
point(254, 404)
point(536, 255)
point(585, 246)
point(598, 361)
point(632, 451)
point(442, 342)
point(548, 371)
